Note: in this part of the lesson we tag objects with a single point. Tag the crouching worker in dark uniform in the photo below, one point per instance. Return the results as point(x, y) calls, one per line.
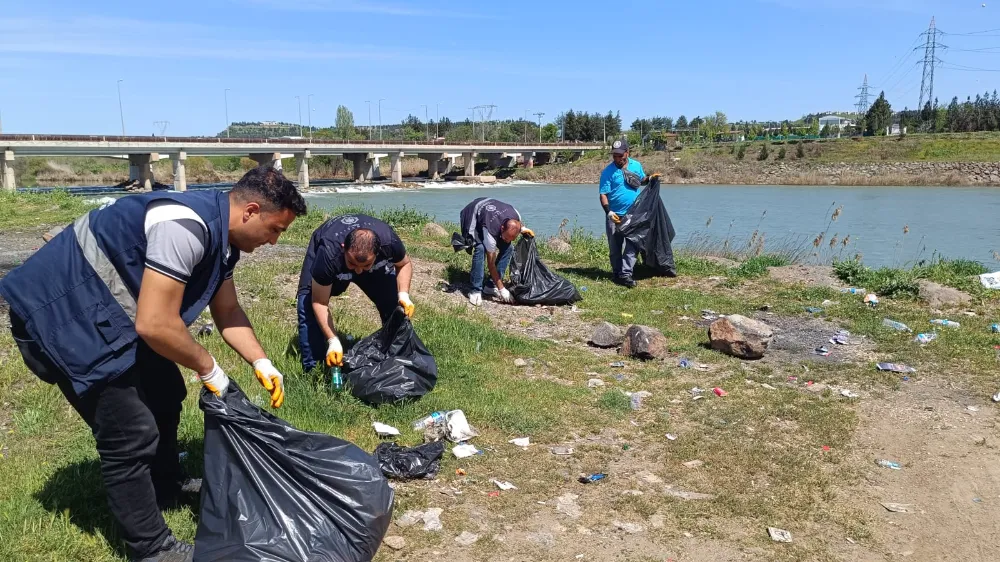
point(488, 228)
point(346, 249)
point(103, 310)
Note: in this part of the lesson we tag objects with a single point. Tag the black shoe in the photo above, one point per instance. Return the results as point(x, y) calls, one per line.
point(172, 550)
point(625, 281)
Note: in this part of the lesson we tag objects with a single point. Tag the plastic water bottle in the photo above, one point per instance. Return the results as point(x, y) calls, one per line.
point(854, 290)
point(898, 326)
point(336, 381)
point(944, 322)
point(436, 419)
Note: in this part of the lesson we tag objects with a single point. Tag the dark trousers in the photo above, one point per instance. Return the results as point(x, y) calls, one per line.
point(134, 420)
point(378, 286)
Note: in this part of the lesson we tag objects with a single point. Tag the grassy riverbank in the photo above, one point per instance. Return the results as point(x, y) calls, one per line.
point(776, 451)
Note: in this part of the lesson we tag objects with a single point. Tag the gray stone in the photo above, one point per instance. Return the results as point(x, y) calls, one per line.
point(434, 230)
point(940, 296)
point(395, 542)
point(686, 495)
point(740, 336)
point(630, 528)
point(607, 335)
point(520, 362)
point(566, 504)
point(558, 245)
point(466, 538)
point(409, 518)
point(643, 342)
point(432, 519)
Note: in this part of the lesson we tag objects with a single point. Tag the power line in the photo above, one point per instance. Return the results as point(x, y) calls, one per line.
point(862, 104)
point(930, 61)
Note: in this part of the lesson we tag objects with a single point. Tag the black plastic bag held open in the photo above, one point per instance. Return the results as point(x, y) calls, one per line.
point(390, 365)
point(648, 226)
point(273, 492)
point(531, 282)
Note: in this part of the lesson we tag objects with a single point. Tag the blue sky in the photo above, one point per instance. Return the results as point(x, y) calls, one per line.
point(753, 59)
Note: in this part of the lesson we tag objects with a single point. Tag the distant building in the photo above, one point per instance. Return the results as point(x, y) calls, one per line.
point(835, 122)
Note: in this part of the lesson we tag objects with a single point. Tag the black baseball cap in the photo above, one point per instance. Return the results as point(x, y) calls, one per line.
point(620, 146)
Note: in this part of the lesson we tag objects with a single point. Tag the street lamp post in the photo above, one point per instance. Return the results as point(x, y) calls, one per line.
point(225, 94)
point(299, 98)
point(427, 125)
point(309, 112)
point(369, 119)
point(437, 120)
point(121, 112)
point(525, 125)
point(380, 100)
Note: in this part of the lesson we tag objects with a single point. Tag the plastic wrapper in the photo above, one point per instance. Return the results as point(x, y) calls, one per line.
point(422, 461)
point(273, 492)
point(531, 282)
point(648, 226)
point(390, 365)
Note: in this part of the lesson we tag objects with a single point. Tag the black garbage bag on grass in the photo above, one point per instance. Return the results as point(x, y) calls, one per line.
point(648, 226)
point(273, 492)
point(390, 365)
point(422, 461)
point(531, 282)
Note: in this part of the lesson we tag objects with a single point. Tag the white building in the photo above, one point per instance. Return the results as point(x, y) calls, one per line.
point(835, 122)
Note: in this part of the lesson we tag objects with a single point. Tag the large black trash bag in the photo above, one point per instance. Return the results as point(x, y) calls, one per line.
point(531, 282)
point(422, 461)
point(390, 365)
point(460, 242)
point(273, 492)
point(648, 226)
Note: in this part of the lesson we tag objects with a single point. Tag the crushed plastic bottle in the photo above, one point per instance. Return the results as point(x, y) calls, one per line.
point(336, 380)
point(436, 419)
point(945, 322)
point(635, 401)
point(590, 479)
point(854, 290)
point(871, 299)
point(995, 328)
point(889, 464)
point(925, 338)
point(898, 326)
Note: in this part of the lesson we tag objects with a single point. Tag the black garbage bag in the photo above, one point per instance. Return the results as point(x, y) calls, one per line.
point(531, 282)
point(648, 226)
point(273, 492)
point(390, 365)
point(422, 461)
point(460, 242)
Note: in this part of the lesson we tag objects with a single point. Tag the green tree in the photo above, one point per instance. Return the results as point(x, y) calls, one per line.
point(826, 131)
point(800, 150)
point(741, 151)
point(345, 123)
point(550, 132)
point(764, 152)
point(781, 153)
point(682, 122)
point(784, 129)
point(879, 116)
point(814, 127)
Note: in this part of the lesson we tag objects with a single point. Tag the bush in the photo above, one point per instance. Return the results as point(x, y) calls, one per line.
point(800, 151)
point(781, 153)
point(885, 281)
point(756, 266)
point(741, 152)
point(764, 152)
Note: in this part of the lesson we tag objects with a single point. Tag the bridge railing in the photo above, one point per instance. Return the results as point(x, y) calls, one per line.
point(280, 140)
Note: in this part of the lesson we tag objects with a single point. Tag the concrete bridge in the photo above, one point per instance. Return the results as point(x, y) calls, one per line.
point(364, 155)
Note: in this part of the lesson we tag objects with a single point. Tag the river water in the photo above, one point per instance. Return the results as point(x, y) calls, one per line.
point(955, 222)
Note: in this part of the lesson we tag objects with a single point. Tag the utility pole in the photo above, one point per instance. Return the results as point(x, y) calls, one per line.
point(121, 112)
point(162, 126)
point(539, 115)
point(525, 125)
point(369, 119)
point(437, 120)
point(299, 98)
point(309, 112)
point(930, 61)
point(862, 104)
point(427, 125)
point(473, 111)
point(380, 118)
point(225, 95)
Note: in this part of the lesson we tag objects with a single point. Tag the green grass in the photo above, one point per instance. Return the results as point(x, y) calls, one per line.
point(22, 210)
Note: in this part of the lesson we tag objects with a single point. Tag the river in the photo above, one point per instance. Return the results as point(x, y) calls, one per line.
point(956, 222)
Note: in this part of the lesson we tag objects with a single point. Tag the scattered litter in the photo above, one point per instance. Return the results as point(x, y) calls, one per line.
point(656, 312)
point(619, 377)
point(972, 408)
point(889, 464)
point(871, 299)
point(206, 329)
point(402, 463)
point(946, 323)
point(977, 500)
point(696, 391)
point(823, 351)
point(847, 393)
point(686, 495)
point(702, 367)
point(840, 338)
point(709, 314)
point(813, 309)
point(719, 392)
point(793, 378)
point(567, 505)
point(583, 289)
point(521, 441)
point(829, 302)
point(995, 328)
point(779, 535)
point(694, 464)
point(630, 528)
point(617, 365)
point(464, 450)
point(458, 427)
point(683, 318)
point(432, 519)
point(409, 518)
point(671, 437)
point(925, 338)
point(460, 472)
point(520, 362)
point(594, 383)
point(182, 456)
point(852, 541)
point(493, 494)
point(897, 507)
point(895, 368)
point(826, 448)
point(466, 539)
point(906, 379)
point(627, 315)
point(384, 430)
point(590, 479)
point(561, 451)
point(898, 326)
point(767, 386)
point(504, 485)
point(684, 363)
point(996, 397)
point(635, 401)
point(854, 291)
point(990, 280)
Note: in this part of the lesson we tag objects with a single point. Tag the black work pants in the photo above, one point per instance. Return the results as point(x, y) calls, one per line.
point(134, 420)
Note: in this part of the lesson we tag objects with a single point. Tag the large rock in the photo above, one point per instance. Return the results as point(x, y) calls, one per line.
point(606, 335)
point(434, 230)
point(740, 336)
point(558, 245)
point(643, 342)
point(940, 296)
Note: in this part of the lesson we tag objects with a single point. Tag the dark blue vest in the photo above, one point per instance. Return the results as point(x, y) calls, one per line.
point(77, 294)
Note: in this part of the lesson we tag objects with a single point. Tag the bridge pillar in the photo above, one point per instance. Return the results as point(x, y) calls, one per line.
point(396, 159)
point(363, 166)
point(576, 156)
point(433, 165)
point(7, 182)
point(140, 169)
point(267, 158)
point(180, 171)
point(505, 161)
point(449, 165)
point(470, 163)
point(528, 159)
point(542, 158)
point(304, 169)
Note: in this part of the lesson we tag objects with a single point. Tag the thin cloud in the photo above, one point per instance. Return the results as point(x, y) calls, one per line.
point(379, 8)
point(117, 37)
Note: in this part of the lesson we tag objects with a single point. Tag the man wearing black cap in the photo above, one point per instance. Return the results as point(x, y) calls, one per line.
point(619, 188)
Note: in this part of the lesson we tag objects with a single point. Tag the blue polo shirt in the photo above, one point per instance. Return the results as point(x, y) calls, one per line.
point(620, 195)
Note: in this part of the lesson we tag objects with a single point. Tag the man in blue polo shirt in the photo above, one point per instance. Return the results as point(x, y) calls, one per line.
point(619, 188)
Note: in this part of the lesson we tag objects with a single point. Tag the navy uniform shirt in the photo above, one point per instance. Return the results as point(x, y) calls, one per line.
point(325, 262)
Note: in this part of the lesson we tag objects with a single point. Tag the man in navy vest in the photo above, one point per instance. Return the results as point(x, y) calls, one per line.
point(103, 309)
point(348, 249)
point(488, 228)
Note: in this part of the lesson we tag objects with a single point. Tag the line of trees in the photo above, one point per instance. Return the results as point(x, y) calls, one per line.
point(589, 127)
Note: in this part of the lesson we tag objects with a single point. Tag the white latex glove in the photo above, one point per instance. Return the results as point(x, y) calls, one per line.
point(215, 380)
point(505, 295)
point(614, 217)
point(334, 353)
point(406, 303)
point(476, 298)
point(272, 380)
